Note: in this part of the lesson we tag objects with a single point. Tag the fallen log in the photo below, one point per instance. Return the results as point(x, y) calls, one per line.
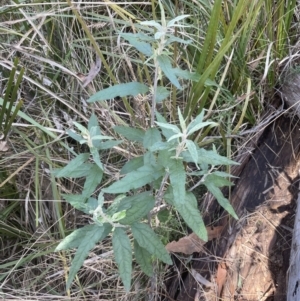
point(293, 290)
point(263, 197)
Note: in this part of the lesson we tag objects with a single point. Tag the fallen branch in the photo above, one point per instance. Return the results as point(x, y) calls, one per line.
point(293, 290)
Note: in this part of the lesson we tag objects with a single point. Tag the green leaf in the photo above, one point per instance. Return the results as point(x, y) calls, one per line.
point(74, 239)
point(133, 89)
point(81, 171)
point(91, 204)
point(72, 166)
point(133, 180)
point(168, 126)
point(141, 46)
point(90, 239)
point(95, 132)
point(208, 157)
point(150, 159)
point(192, 150)
point(114, 207)
point(176, 136)
point(123, 256)
point(218, 181)
point(152, 23)
point(161, 94)
point(200, 126)
point(78, 198)
point(192, 216)
point(74, 135)
point(81, 128)
point(118, 216)
point(213, 158)
point(96, 136)
point(143, 258)
point(166, 66)
point(140, 208)
point(128, 202)
point(77, 201)
point(93, 122)
point(108, 144)
point(166, 132)
point(131, 134)
point(217, 193)
point(178, 18)
point(159, 146)
point(100, 199)
point(223, 174)
point(181, 120)
point(152, 136)
point(177, 179)
point(93, 179)
point(168, 196)
point(196, 121)
point(132, 165)
point(172, 39)
point(197, 173)
point(164, 158)
point(159, 34)
point(148, 240)
point(141, 36)
point(99, 137)
point(95, 153)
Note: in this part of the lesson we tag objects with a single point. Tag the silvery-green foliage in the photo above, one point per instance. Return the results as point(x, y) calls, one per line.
point(158, 175)
point(168, 148)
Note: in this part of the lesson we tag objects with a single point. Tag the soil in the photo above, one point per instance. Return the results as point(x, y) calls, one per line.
point(250, 260)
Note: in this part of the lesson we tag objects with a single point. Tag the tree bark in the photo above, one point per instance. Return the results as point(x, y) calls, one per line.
point(293, 290)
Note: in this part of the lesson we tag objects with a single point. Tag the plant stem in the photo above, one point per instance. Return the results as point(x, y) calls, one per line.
point(153, 107)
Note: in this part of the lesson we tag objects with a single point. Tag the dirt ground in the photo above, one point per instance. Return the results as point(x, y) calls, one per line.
point(249, 261)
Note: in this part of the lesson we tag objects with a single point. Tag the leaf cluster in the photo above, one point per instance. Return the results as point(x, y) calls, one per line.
point(162, 167)
point(158, 175)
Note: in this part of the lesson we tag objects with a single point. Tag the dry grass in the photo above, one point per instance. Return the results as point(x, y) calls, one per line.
point(56, 50)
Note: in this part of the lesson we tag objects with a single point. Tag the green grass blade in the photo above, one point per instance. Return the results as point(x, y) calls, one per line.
point(13, 97)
